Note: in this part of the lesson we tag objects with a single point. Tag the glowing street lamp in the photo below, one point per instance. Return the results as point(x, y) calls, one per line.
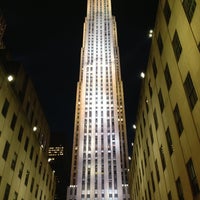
point(10, 78)
point(35, 128)
point(134, 126)
point(142, 75)
point(151, 33)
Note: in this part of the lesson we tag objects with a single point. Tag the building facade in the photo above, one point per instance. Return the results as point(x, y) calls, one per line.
point(24, 137)
point(165, 162)
point(100, 156)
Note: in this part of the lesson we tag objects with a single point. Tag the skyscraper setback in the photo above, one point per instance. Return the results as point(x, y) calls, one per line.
point(100, 153)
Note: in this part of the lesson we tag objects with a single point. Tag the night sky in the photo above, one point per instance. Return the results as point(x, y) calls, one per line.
point(46, 37)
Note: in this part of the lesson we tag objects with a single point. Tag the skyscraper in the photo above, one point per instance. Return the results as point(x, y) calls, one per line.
point(100, 155)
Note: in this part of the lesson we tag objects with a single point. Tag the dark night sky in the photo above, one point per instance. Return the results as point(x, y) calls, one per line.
point(46, 36)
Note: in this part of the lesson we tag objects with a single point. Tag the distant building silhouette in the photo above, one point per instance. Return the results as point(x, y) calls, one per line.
point(165, 162)
point(60, 161)
point(2, 29)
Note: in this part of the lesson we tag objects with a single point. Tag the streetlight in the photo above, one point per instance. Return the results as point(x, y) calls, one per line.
point(150, 33)
point(10, 78)
point(142, 75)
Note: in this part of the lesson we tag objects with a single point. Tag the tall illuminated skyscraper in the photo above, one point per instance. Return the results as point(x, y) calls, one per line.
point(100, 154)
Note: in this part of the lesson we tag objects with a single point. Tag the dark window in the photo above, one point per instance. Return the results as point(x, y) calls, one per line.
point(20, 134)
point(14, 161)
point(6, 193)
point(26, 144)
point(27, 177)
point(176, 46)
point(154, 68)
point(145, 159)
point(144, 122)
point(149, 190)
point(147, 143)
point(168, 77)
point(44, 173)
point(178, 120)
point(189, 7)
point(152, 180)
point(161, 101)
point(31, 153)
point(15, 196)
point(40, 167)
point(167, 12)
point(160, 43)
point(179, 189)
point(32, 184)
point(155, 118)
point(4, 110)
point(157, 171)
point(21, 170)
point(41, 195)
point(162, 157)
point(169, 141)
point(198, 46)
point(36, 190)
point(150, 88)
point(193, 178)
point(169, 195)
point(13, 122)
point(151, 134)
point(190, 91)
point(6, 149)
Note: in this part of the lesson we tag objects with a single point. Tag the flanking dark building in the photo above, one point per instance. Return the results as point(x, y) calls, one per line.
point(165, 161)
point(24, 137)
